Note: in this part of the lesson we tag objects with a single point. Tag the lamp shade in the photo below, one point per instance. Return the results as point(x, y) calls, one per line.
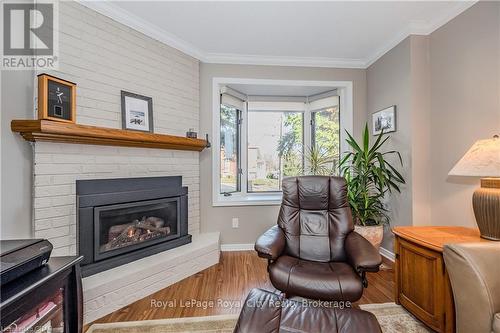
point(481, 160)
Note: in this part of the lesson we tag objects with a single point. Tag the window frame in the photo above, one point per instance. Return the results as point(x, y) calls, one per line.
point(239, 120)
point(245, 198)
point(313, 114)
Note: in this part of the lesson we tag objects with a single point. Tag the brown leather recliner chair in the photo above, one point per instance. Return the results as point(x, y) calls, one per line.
point(266, 312)
point(314, 252)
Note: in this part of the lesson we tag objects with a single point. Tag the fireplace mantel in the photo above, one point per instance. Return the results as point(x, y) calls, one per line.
point(53, 131)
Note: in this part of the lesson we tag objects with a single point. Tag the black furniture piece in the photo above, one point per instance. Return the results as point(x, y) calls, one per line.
point(265, 312)
point(20, 256)
point(50, 296)
point(314, 252)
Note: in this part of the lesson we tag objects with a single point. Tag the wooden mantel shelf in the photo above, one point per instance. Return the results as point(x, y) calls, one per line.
point(53, 131)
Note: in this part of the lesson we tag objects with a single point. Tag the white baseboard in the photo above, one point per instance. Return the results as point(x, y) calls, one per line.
point(250, 247)
point(237, 247)
point(388, 254)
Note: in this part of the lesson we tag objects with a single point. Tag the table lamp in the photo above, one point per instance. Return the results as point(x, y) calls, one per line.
point(483, 160)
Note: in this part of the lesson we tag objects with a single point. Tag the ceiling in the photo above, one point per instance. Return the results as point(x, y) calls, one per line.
point(304, 33)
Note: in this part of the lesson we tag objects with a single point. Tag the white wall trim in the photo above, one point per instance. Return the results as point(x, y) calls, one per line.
point(249, 59)
point(387, 254)
point(398, 38)
point(250, 247)
point(419, 28)
point(237, 247)
point(460, 7)
point(116, 13)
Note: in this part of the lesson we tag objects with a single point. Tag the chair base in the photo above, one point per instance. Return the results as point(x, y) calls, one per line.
point(331, 281)
point(261, 314)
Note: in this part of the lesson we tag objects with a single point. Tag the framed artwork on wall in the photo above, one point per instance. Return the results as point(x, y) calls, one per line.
point(56, 99)
point(384, 120)
point(137, 112)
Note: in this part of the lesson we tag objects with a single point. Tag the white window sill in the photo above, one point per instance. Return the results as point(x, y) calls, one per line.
point(248, 200)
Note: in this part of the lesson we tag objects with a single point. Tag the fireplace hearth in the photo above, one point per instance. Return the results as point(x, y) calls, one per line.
point(122, 220)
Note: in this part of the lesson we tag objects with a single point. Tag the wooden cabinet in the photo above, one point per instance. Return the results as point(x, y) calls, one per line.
point(422, 283)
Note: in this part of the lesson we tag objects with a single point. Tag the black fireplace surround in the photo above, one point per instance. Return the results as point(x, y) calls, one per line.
point(125, 219)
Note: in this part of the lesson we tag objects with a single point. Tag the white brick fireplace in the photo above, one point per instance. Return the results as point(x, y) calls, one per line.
point(59, 165)
point(104, 57)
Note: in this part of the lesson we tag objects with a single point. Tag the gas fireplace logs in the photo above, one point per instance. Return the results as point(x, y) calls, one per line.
point(121, 235)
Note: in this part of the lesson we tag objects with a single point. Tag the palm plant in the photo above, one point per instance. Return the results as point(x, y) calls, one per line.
point(369, 178)
point(321, 161)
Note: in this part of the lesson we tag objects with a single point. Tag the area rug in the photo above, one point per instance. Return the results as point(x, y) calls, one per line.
point(392, 318)
point(210, 324)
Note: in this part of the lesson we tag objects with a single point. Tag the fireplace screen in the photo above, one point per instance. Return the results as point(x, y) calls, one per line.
point(124, 227)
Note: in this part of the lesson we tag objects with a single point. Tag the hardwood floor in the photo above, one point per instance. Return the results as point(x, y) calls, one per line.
point(227, 285)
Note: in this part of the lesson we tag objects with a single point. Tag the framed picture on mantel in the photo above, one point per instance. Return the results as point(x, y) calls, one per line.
point(137, 112)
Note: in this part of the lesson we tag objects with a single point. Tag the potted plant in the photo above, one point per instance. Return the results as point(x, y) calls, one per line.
point(370, 176)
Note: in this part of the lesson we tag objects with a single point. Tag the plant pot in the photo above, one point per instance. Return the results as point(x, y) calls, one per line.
point(374, 234)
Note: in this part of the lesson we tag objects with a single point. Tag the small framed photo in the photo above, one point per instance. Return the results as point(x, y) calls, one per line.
point(56, 99)
point(384, 120)
point(137, 112)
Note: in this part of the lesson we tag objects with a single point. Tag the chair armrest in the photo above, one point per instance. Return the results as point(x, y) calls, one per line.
point(270, 244)
point(473, 270)
point(496, 323)
point(361, 254)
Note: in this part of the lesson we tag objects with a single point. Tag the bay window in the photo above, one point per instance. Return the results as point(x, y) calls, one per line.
point(262, 139)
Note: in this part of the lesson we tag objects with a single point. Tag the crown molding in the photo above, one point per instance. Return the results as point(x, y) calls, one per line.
point(460, 7)
point(109, 9)
point(114, 12)
point(398, 38)
point(419, 28)
point(248, 59)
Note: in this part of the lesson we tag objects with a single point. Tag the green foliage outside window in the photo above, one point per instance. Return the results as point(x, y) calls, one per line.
point(323, 156)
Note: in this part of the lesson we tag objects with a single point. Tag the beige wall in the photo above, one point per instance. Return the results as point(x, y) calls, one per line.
point(447, 90)
point(465, 104)
point(256, 219)
point(420, 130)
point(389, 83)
point(16, 155)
